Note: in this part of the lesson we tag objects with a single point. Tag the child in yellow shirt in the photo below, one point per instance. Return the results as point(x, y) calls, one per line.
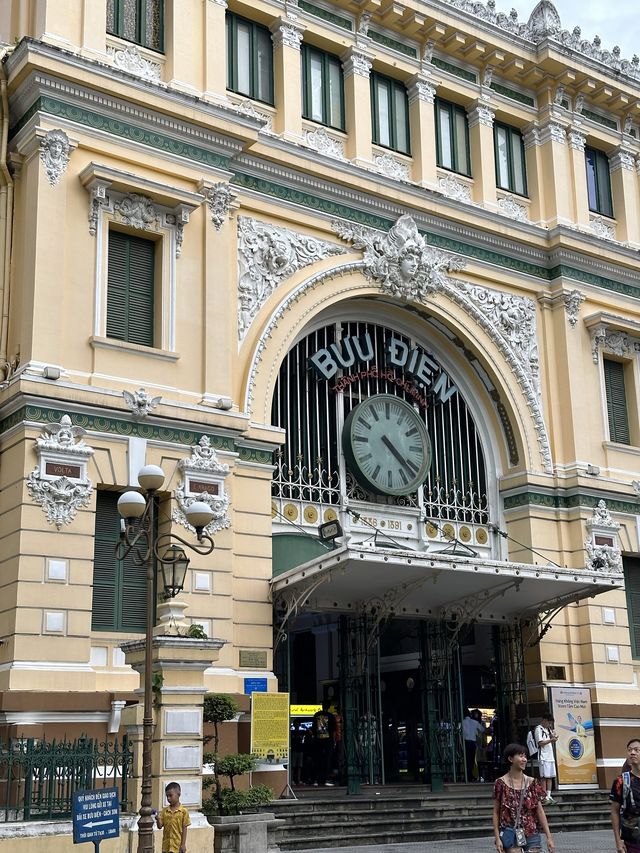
point(173, 820)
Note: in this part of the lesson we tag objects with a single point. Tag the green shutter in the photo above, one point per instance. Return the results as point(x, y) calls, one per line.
point(632, 584)
point(130, 288)
point(119, 586)
point(616, 401)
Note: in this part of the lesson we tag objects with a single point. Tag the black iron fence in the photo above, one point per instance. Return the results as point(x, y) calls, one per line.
point(38, 778)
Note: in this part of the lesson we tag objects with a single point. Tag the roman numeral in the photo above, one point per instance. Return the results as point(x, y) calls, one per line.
point(361, 438)
point(376, 472)
point(412, 466)
point(411, 432)
point(403, 476)
point(389, 479)
point(362, 422)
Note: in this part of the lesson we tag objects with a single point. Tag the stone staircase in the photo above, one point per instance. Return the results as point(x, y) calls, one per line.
point(330, 818)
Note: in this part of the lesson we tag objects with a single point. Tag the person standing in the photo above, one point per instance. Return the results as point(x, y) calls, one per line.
point(174, 821)
point(518, 815)
point(545, 738)
point(297, 754)
point(324, 733)
point(471, 729)
point(625, 803)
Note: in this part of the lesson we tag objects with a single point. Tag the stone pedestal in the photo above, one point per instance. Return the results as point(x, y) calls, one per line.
point(178, 671)
point(256, 833)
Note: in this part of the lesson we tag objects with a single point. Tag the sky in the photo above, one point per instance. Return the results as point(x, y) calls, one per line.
point(615, 21)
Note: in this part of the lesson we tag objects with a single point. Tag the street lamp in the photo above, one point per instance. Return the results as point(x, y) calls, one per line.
point(138, 536)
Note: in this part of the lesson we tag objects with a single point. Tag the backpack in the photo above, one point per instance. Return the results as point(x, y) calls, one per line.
point(532, 746)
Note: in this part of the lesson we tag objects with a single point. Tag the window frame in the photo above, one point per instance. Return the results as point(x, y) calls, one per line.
point(231, 22)
point(603, 196)
point(612, 404)
point(394, 86)
point(513, 132)
point(633, 613)
point(154, 243)
point(141, 21)
point(327, 60)
point(453, 109)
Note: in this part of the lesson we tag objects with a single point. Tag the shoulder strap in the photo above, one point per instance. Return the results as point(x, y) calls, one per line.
point(627, 792)
point(523, 790)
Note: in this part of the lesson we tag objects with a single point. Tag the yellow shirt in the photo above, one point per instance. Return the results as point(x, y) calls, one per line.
point(173, 823)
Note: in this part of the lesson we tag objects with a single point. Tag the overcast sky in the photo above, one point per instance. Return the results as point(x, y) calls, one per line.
point(615, 21)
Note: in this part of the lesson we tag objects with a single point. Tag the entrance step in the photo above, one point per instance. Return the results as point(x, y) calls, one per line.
point(327, 817)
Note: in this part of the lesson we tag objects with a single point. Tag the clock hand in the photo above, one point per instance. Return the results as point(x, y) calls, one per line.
point(387, 443)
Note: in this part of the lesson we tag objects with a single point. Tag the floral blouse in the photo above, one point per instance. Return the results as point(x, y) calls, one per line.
point(508, 799)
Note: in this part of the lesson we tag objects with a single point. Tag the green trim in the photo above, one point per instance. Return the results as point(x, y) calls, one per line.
point(597, 280)
point(123, 130)
point(603, 120)
point(325, 15)
point(395, 123)
point(154, 432)
point(571, 501)
point(454, 69)
point(393, 44)
point(513, 94)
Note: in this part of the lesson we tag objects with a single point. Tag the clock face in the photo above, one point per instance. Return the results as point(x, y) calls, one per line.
point(386, 445)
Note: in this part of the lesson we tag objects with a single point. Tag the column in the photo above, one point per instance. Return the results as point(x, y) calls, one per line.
point(577, 141)
point(423, 131)
point(548, 169)
point(357, 97)
point(482, 155)
point(287, 79)
point(624, 190)
point(215, 50)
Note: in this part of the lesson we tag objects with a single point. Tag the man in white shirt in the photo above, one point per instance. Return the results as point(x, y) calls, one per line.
point(471, 728)
point(545, 738)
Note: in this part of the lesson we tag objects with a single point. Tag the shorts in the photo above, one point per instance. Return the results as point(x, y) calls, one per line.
point(534, 842)
point(548, 769)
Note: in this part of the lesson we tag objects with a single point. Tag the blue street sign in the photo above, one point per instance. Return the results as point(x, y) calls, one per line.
point(95, 815)
point(255, 685)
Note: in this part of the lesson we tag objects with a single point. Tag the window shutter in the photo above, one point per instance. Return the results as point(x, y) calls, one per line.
point(119, 586)
point(130, 289)
point(632, 584)
point(616, 401)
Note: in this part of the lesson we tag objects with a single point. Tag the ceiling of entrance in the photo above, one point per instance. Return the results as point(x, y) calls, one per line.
point(352, 578)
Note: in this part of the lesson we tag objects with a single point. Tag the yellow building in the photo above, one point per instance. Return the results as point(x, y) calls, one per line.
point(370, 262)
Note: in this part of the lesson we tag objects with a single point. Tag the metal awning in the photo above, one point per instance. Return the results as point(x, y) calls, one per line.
point(357, 578)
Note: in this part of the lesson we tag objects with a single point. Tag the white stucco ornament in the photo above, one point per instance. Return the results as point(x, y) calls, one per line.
point(140, 403)
point(267, 256)
point(59, 483)
point(602, 544)
point(203, 478)
point(219, 198)
point(54, 154)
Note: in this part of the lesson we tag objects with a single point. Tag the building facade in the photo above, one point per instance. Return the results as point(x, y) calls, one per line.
point(370, 263)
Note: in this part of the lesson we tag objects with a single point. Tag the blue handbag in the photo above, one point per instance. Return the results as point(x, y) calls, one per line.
point(508, 837)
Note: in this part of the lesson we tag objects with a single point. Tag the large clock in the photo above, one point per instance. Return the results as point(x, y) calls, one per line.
point(386, 445)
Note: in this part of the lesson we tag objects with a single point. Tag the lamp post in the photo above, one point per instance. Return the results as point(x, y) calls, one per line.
point(138, 536)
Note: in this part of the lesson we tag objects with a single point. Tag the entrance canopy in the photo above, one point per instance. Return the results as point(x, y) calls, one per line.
point(353, 578)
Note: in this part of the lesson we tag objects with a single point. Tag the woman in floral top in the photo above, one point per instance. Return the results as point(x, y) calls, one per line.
point(508, 793)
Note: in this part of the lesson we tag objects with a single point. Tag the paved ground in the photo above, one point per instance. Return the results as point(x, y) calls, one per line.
point(565, 842)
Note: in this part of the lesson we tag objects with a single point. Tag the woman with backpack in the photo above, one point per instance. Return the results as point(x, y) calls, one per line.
point(625, 803)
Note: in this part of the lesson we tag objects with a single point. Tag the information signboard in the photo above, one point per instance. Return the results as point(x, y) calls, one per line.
point(575, 747)
point(255, 685)
point(95, 815)
point(270, 727)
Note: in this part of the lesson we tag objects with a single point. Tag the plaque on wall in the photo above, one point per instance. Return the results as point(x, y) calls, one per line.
point(253, 658)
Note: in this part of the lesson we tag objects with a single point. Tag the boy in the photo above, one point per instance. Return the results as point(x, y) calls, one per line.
point(173, 820)
point(625, 803)
point(545, 738)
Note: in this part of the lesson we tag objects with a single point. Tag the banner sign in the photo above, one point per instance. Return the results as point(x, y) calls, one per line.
point(575, 747)
point(270, 727)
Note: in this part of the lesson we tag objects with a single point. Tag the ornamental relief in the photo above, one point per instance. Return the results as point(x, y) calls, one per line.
point(267, 256)
point(59, 483)
point(203, 464)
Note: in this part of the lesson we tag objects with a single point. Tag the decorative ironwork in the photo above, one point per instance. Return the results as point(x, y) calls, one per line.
point(40, 777)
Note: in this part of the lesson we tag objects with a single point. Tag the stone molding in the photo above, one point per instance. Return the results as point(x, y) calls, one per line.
point(453, 188)
point(129, 58)
point(322, 142)
point(481, 114)
point(392, 167)
point(358, 63)
point(508, 206)
point(286, 33)
point(577, 140)
point(622, 159)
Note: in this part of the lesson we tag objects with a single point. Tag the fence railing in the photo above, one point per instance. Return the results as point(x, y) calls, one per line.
point(38, 778)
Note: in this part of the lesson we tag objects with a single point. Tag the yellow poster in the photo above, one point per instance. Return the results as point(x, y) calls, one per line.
point(270, 727)
point(575, 747)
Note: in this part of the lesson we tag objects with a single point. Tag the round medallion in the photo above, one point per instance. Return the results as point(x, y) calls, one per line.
point(274, 509)
point(449, 531)
point(481, 536)
point(386, 445)
point(432, 530)
point(290, 512)
point(310, 514)
point(329, 515)
point(465, 534)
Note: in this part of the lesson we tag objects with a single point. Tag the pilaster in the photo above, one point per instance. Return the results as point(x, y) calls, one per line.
point(624, 191)
point(287, 78)
point(422, 92)
point(357, 96)
point(577, 142)
point(94, 14)
point(548, 168)
point(483, 155)
point(215, 50)
point(184, 45)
